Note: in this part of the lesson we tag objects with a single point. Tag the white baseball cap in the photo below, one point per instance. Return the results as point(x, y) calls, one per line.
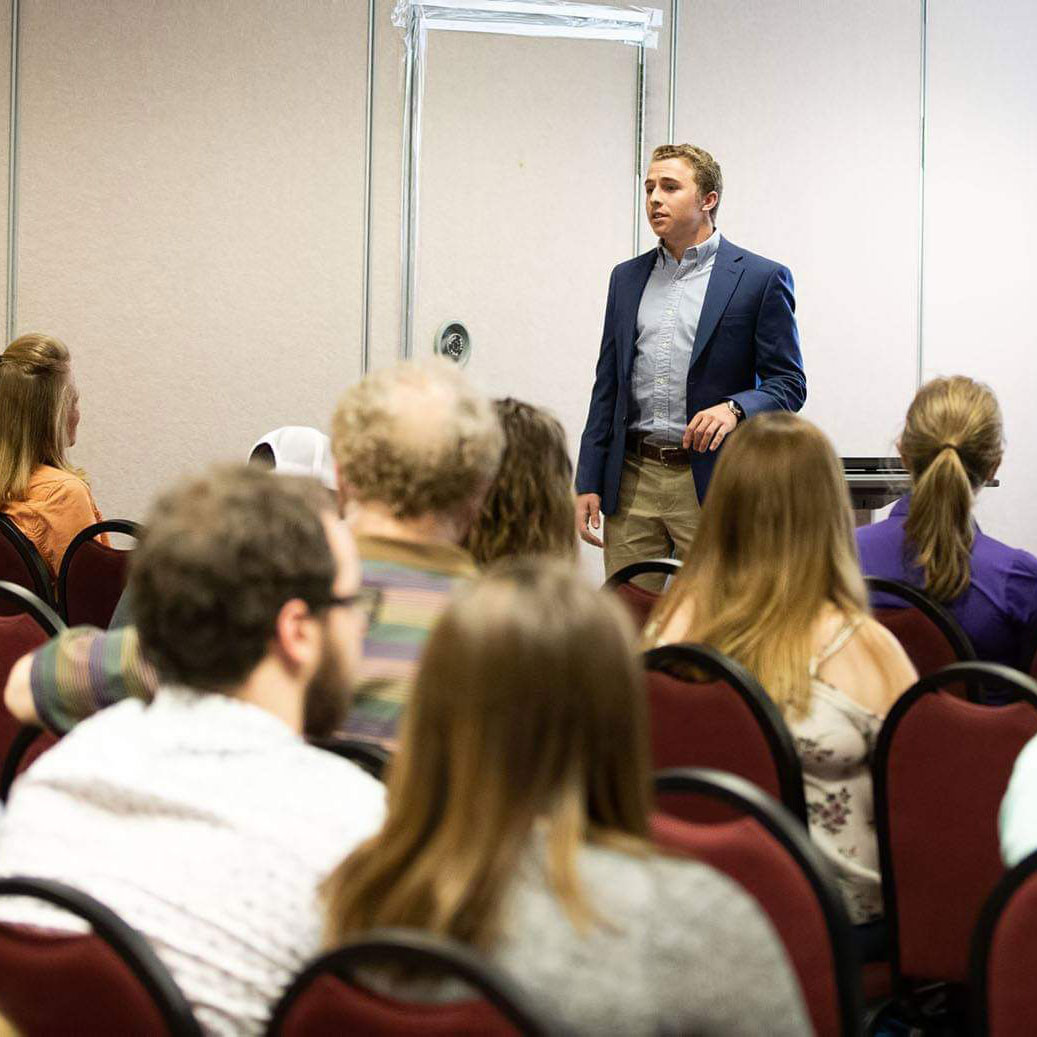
point(300, 450)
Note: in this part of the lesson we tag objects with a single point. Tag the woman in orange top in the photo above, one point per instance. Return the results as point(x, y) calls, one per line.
point(47, 498)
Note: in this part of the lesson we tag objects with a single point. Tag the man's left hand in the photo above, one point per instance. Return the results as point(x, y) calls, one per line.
point(708, 429)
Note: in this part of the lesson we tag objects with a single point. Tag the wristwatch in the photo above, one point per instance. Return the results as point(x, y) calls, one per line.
point(735, 410)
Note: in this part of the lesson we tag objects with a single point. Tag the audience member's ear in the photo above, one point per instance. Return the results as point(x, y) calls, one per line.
point(297, 639)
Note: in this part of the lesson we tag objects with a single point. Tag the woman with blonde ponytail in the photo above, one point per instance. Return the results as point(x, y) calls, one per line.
point(47, 497)
point(951, 445)
point(772, 581)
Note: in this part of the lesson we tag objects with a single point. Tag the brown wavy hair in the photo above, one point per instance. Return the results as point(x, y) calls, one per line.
point(220, 555)
point(35, 396)
point(529, 508)
point(528, 716)
point(952, 442)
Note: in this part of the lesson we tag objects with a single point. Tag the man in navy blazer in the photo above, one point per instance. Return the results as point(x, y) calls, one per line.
point(699, 334)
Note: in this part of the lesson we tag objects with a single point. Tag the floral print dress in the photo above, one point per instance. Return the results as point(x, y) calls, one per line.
point(835, 741)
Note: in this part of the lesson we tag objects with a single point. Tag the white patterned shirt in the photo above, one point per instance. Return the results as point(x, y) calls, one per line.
point(206, 824)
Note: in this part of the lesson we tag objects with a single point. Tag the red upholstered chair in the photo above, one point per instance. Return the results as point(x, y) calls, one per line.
point(727, 722)
point(108, 981)
point(1003, 962)
point(941, 768)
point(26, 622)
point(326, 1000)
point(929, 634)
point(92, 575)
point(770, 854)
point(639, 601)
point(22, 564)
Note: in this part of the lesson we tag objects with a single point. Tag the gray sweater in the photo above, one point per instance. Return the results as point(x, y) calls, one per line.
point(684, 951)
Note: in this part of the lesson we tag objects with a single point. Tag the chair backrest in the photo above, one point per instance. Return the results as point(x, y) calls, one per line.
point(27, 746)
point(22, 564)
point(637, 599)
point(1003, 961)
point(368, 756)
point(92, 575)
point(768, 852)
point(26, 622)
point(728, 723)
point(103, 982)
point(929, 634)
point(941, 768)
point(326, 998)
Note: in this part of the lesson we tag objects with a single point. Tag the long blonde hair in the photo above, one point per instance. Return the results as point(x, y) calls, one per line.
point(952, 443)
point(528, 710)
point(775, 544)
point(35, 396)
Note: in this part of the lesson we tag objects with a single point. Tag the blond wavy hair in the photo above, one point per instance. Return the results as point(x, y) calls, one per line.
point(774, 546)
point(705, 167)
point(417, 438)
point(35, 396)
point(529, 508)
point(952, 442)
point(528, 715)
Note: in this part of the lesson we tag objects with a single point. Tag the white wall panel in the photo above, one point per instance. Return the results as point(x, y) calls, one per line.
point(981, 239)
point(812, 109)
point(191, 221)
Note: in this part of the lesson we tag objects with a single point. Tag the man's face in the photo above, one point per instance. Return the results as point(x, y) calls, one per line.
point(328, 691)
point(673, 202)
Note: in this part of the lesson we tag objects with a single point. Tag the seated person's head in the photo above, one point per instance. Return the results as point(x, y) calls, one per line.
point(416, 442)
point(297, 450)
point(952, 444)
point(235, 587)
point(775, 545)
point(39, 410)
point(528, 709)
point(529, 507)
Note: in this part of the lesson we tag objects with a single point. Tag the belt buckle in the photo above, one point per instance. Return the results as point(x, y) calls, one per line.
point(673, 455)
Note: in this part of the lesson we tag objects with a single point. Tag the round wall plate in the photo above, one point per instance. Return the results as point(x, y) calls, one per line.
point(453, 341)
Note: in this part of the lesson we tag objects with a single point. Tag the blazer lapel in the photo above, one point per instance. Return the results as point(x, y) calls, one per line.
point(727, 271)
point(627, 329)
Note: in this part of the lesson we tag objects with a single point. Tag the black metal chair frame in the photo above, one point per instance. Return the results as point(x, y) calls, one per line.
point(366, 755)
point(415, 949)
point(132, 948)
point(124, 526)
point(47, 618)
point(1025, 689)
point(676, 660)
point(932, 609)
point(34, 562)
point(746, 797)
point(669, 566)
point(983, 935)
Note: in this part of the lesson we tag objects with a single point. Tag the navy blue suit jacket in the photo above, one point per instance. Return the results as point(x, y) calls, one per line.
point(746, 350)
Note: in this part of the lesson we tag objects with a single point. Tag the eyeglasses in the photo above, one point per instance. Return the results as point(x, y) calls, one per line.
point(367, 599)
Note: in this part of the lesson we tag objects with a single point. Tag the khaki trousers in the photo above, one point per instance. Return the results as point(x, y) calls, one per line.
point(657, 516)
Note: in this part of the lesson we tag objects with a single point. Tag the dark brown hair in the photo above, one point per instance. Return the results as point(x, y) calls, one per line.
point(221, 555)
point(528, 509)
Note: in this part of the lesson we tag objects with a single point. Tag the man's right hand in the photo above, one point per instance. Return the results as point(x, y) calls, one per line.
point(588, 513)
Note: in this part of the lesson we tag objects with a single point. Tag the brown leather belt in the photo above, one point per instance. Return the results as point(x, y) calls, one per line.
point(670, 456)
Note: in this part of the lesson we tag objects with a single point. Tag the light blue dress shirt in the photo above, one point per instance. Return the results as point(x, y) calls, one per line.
point(667, 321)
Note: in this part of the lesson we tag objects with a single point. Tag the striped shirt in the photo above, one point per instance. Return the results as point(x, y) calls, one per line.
point(416, 581)
point(85, 669)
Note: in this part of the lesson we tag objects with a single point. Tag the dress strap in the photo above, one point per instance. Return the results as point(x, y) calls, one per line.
point(845, 632)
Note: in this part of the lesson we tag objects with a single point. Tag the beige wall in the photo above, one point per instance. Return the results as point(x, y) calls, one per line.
point(191, 195)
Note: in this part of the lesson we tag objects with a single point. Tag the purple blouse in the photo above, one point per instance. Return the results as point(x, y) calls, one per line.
point(997, 606)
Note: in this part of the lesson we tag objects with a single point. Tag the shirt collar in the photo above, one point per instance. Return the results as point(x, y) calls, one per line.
point(697, 254)
point(902, 506)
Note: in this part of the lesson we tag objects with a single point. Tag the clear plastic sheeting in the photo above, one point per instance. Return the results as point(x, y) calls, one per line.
point(548, 18)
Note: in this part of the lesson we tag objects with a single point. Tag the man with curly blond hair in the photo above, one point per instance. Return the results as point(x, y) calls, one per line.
point(416, 449)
